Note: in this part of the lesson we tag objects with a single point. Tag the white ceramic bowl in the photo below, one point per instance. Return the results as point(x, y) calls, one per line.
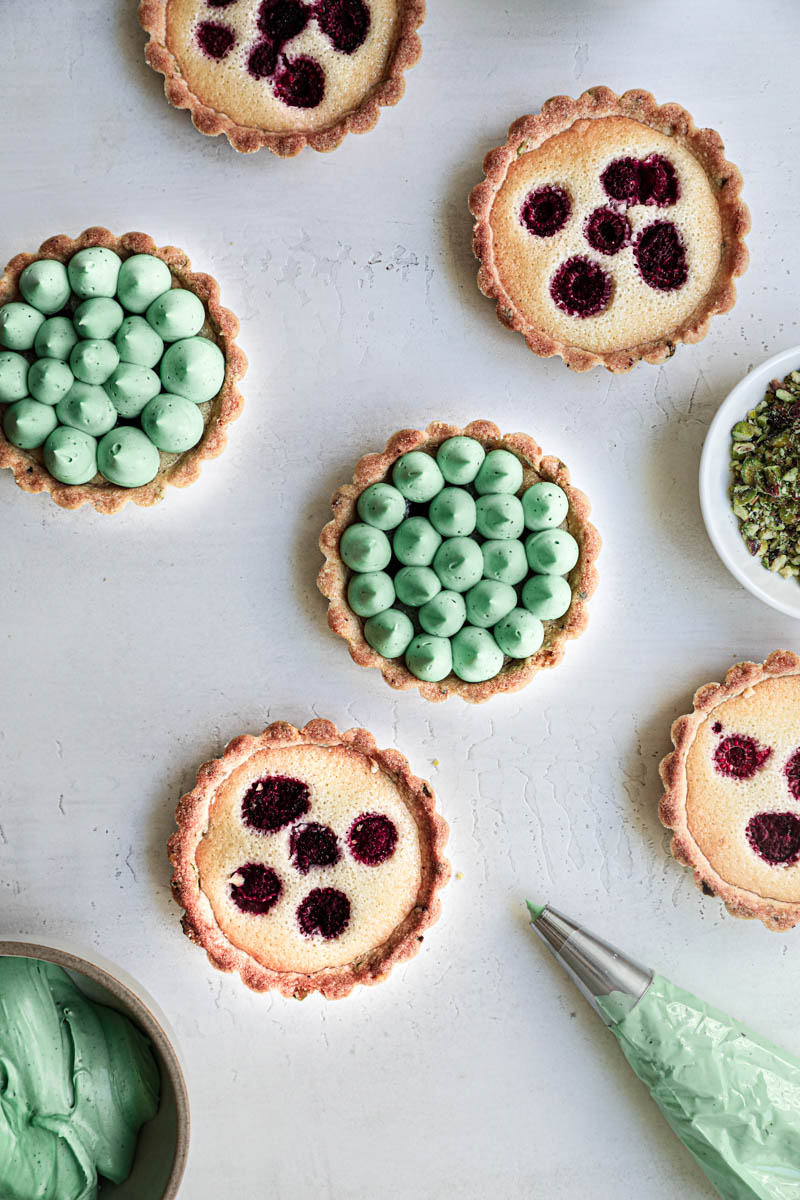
point(715, 482)
point(163, 1144)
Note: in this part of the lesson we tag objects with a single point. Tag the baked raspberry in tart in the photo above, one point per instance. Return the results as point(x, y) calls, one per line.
point(609, 229)
point(458, 561)
point(283, 74)
point(732, 790)
point(118, 370)
point(308, 860)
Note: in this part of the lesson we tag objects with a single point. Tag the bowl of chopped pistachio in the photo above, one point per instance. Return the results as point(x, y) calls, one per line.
point(750, 482)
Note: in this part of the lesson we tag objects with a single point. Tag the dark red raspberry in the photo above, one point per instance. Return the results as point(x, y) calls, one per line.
point(621, 180)
point(545, 211)
point(325, 911)
point(372, 839)
point(280, 20)
point(660, 257)
point(792, 773)
point(716, 727)
point(607, 231)
point(259, 889)
point(313, 845)
point(214, 39)
point(262, 60)
point(580, 287)
point(300, 83)
point(275, 801)
point(740, 756)
point(658, 183)
point(220, 3)
point(775, 836)
point(345, 22)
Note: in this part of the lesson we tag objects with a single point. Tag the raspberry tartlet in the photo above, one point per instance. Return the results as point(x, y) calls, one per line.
point(118, 370)
point(609, 229)
point(282, 74)
point(308, 860)
point(458, 561)
point(732, 790)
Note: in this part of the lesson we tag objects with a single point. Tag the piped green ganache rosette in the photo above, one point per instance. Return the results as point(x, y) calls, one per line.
point(458, 561)
point(118, 369)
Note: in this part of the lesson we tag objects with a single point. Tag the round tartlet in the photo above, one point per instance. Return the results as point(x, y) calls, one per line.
point(220, 326)
point(283, 74)
point(609, 229)
point(514, 672)
point(308, 860)
point(732, 790)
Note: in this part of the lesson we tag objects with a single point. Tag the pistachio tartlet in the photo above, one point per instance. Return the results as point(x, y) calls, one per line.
point(282, 74)
point(609, 229)
point(459, 561)
point(732, 790)
point(118, 370)
point(308, 860)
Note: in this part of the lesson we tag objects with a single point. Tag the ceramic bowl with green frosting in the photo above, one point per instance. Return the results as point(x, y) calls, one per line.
point(458, 561)
point(118, 370)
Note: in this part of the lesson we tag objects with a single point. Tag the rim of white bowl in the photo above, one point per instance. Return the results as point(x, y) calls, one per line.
point(721, 524)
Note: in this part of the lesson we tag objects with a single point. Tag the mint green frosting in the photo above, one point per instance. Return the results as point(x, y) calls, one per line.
point(476, 655)
point(93, 361)
point(94, 272)
point(519, 634)
point(415, 542)
point(13, 376)
point(547, 596)
point(452, 512)
point(417, 476)
point(415, 586)
point(545, 506)
point(176, 314)
point(389, 632)
point(172, 423)
point(55, 338)
point(49, 380)
point(19, 324)
point(551, 552)
point(501, 471)
point(88, 408)
point(731, 1097)
point(488, 602)
point(381, 505)
point(459, 563)
point(444, 615)
point(45, 285)
point(499, 516)
point(429, 658)
point(79, 1082)
point(142, 278)
point(365, 548)
point(193, 367)
point(99, 318)
point(460, 459)
point(504, 560)
point(27, 423)
point(127, 457)
point(370, 593)
point(71, 455)
point(138, 343)
point(131, 387)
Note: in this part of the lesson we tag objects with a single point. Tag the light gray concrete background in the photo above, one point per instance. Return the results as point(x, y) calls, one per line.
point(134, 647)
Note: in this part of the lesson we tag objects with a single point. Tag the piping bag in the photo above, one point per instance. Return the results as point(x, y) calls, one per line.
point(731, 1097)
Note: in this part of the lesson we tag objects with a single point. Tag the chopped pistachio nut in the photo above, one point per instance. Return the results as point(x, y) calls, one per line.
point(765, 462)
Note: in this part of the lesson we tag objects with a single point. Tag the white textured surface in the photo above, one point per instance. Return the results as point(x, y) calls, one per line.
point(135, 646)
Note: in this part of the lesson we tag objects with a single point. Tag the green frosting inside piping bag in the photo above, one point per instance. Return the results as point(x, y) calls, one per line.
point(45, 285)
point(545, 504)
point(178, 313)
point(444, 615)
point(71, 455)
point(459, 564)
point(452, 512)
point(138, 343)
point(488, 602)
point(13, 376)
point(364, 548)
point(27, 423)
point(94, 272)
point(415, 542)
point(551, 552)
point(370, 593)
point(127, 457)
point(99, 318)
point(476, 655)
point(381, 505)
point(49, 380)
point(417, 476)
point(731, 1097)
point(19, 324)
point(504, 560)
point(429, 658)
point(501, 471)
point(460, 459)
point(389, 632)
point(93, 361)
point(499, 516)
point(142, 279)
point(88, 408)
point(55, 338)
point(130, 388)
point(79, 1081)
point(415, 586)
point(547, 596)
point(519, 634)
point(193, 367)
point(172, 423)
